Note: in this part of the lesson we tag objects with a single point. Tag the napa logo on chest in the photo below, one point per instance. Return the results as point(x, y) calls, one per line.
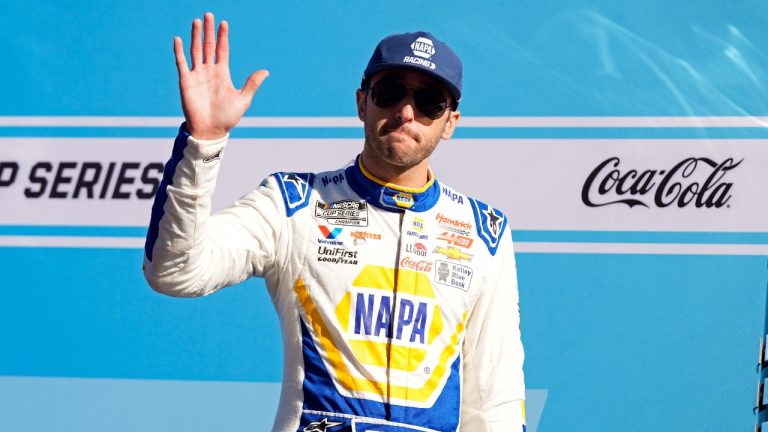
point(386, 317)
point(388, 321)
point(380, 321)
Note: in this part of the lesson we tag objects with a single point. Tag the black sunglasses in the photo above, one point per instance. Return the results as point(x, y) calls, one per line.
point(388, 92)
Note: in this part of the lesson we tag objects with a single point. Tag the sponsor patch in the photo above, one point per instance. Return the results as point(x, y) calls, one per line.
point(298, 184)
point(321, 426)
point(453, 275)
point(454, 225)
point(455, 197)
point(403, 199)
point(490, 224)
point(344, 213)
point(423, 47)
point(454, 239)
point(417, 249)
point(453, 253)
point(417, 225)
point(328, 242)
point(391, 319)
point(330, 236)
point(420, 265)
point(417, 229)
point(417, 235)
point(419, 61)
point(295, 189)
point(376, 312)
point(364, 235)
point(336, 255)
point(213, 157)
point(492, 221)
point(336, 179)
point(329, 233)
point(400, 200)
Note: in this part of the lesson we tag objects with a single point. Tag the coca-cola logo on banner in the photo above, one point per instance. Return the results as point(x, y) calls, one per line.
point(698, 182)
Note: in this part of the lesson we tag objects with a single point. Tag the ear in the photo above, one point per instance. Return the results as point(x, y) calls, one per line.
point(360, 96)
point(450, 124)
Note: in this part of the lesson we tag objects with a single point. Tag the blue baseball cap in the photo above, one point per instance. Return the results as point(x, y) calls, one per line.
point(421, 51)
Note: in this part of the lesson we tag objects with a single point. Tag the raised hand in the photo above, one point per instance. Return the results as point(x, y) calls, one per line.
point(211, 103)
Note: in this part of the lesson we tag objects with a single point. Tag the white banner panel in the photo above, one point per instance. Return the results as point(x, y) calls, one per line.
point(615, 184)
point(543, 184)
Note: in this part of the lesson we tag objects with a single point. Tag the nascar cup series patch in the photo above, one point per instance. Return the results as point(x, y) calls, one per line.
point(344, 213)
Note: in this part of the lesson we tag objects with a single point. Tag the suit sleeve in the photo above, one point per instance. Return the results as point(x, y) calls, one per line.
point(188, 251)
point(493, 395)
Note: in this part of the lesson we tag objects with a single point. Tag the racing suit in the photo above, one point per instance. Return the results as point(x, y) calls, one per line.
point(398, 307)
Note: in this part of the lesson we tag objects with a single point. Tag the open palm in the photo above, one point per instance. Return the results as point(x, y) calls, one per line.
point(211, 103)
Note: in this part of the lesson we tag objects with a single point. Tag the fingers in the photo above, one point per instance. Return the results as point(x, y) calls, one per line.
point(181, 60)
point(195, 47)
point(204, 45)
point(209, 42)
point(222, 45)
point(253, 83)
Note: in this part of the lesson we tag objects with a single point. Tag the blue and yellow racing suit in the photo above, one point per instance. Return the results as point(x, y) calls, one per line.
point(398, 307)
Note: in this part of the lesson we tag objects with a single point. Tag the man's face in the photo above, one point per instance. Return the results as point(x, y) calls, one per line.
point(401, 135)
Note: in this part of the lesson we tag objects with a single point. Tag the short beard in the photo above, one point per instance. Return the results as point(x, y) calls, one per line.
point(394, 158)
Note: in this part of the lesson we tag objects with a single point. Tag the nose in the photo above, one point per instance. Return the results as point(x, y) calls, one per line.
point(405, 111)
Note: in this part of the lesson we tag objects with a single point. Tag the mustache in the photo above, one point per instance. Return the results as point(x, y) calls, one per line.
point(401, 128)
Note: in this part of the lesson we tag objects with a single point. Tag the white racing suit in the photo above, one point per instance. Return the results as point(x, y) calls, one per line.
point(398, 307)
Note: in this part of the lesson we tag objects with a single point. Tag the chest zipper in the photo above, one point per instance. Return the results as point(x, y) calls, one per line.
point(391, 329)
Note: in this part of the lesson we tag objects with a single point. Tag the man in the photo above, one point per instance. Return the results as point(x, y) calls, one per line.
point(397, 296)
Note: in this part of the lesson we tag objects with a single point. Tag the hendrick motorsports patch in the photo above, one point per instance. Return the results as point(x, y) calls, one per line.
point(345, 213)
point(453, 275)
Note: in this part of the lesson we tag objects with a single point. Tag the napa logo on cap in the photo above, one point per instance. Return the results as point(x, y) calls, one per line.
point(423, 47)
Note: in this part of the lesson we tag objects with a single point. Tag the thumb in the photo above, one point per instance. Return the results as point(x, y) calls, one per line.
point(253, 83)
